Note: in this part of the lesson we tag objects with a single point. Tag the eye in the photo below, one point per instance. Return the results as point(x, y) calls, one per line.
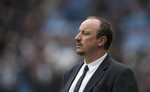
point(85, 33)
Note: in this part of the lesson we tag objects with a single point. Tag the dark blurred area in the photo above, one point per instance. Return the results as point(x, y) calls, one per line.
point(37, 40)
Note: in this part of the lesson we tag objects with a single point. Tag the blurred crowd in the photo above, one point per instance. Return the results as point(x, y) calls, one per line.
point(37, 41)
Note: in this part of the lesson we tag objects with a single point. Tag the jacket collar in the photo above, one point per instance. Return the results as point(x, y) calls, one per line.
point(98, 74)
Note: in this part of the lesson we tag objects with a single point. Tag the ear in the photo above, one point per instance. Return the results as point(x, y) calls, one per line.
point(102, 40)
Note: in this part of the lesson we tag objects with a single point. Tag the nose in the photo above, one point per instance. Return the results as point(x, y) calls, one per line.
point(78, 37)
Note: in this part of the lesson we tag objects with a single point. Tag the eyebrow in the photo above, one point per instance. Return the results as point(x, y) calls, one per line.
point(83, 30)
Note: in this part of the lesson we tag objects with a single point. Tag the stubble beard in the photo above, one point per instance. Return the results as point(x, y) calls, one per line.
point(81, 53)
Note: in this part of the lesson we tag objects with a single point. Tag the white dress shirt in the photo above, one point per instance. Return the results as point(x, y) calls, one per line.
point(92, 68)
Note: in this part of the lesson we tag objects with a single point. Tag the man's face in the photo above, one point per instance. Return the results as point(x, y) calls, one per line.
point(86, 42)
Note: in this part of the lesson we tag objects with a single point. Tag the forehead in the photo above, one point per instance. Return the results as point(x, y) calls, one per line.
point(91, 24)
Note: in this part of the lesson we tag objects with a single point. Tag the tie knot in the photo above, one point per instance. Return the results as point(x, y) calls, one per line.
point(86, 68)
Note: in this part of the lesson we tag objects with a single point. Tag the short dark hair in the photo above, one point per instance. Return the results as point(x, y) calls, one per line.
point(104, 30)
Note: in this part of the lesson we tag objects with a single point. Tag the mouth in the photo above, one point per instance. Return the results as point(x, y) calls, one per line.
point(78, 45)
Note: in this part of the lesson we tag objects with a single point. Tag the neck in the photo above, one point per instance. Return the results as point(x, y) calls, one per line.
point(92, 57)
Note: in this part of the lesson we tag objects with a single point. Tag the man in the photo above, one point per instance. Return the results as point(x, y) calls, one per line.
point(103, 74)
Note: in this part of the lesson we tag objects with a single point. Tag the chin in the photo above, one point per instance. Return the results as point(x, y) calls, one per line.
point(81, 53)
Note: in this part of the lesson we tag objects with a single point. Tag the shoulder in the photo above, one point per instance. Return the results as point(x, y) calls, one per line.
point(118, 65)
point(117, 71)
point(109, 62)
point(119, 68)
point(124, 78)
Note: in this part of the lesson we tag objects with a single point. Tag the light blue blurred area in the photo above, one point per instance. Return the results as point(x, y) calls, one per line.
point(136, 27)
point(37, 41)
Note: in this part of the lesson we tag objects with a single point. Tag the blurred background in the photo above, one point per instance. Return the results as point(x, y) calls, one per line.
point(37, 41)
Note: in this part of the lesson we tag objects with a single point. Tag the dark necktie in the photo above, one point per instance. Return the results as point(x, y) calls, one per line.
point(81, 78)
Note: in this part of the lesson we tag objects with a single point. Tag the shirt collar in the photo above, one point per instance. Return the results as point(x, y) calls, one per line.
point(92, 66)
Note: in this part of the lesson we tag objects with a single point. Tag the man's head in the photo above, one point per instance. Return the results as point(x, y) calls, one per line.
point(94, 34)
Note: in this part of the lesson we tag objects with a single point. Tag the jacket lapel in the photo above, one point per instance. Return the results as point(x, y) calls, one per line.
point(72, 76)
point(98, 74)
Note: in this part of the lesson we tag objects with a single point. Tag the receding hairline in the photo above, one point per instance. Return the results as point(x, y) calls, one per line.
point(98, 18)
point(93, 23)
point(94, 17)
point(101, 20)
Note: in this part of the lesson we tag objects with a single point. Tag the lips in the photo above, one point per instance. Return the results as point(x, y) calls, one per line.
point(78, 44)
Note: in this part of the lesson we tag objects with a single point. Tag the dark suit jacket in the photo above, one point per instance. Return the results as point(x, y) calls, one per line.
point(110, 76)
